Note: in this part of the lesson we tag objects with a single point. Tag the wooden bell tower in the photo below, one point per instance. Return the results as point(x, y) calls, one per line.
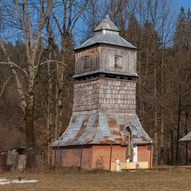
point(104, 104)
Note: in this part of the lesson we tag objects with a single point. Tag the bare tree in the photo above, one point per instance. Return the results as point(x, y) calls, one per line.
point(32, 36)
point(69, 13)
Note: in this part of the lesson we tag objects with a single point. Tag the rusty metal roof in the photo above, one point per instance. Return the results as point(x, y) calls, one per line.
point(186, 138)
point(102, 128)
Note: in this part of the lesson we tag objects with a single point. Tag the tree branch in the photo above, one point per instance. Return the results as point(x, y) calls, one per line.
point(5, 84)
point(58, 25)
point(14, 72)
point(12, 64)
point(37, 67)
point(21, 18)
point(76, 17)
point(56, 61)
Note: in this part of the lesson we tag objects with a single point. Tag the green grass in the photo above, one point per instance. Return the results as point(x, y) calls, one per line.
point(74, 180)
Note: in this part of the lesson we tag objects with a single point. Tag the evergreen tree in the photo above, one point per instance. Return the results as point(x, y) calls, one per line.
point(180, 40)
point(133, 33)
point(188, 29)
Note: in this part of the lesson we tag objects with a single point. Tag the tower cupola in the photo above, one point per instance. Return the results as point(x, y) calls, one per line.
point(106, 52)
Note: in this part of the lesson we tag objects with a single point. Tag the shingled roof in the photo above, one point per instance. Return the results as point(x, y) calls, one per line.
point(102, 128)
point(106, 33)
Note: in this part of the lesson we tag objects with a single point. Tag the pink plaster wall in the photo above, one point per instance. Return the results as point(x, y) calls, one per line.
point(97, 156)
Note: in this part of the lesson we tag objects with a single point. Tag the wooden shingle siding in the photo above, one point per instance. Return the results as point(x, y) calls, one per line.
point(86, 97)
point(117, 96)
point(105, 95)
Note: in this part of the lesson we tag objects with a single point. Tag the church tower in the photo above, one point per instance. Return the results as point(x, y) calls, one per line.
point(105, 73)
point(104, 103)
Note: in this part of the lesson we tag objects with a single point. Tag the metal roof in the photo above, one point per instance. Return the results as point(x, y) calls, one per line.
point(106, 24)
point(106, 33)
point(111, 39)
point(102, 128)
point(186, 138)
point(105, 72)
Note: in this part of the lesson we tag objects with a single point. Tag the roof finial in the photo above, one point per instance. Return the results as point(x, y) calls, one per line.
point(106, 24)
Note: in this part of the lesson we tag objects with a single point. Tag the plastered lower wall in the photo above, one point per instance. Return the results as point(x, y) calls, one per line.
point(97, 156)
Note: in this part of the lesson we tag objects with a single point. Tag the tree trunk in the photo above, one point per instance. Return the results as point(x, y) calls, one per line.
point(156, 144)
point(178, 127)
point(186, 144)
point(50, 112)
point(162, 111)
point(29, 126)
point(162, 136)
point(172, 146)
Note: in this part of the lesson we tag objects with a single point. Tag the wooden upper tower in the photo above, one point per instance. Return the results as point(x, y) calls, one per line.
point(105, 73)
point(106, 53)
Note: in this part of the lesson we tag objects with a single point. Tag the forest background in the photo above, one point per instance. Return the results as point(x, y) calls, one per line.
point(37, 38)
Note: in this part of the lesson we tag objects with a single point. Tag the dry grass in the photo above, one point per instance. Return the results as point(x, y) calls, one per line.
point(73, 180)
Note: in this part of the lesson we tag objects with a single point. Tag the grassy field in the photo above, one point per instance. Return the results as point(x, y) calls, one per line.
point(73, 180)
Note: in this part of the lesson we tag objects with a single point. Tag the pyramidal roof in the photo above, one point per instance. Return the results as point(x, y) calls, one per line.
point(106, 24)
point(106, 33)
